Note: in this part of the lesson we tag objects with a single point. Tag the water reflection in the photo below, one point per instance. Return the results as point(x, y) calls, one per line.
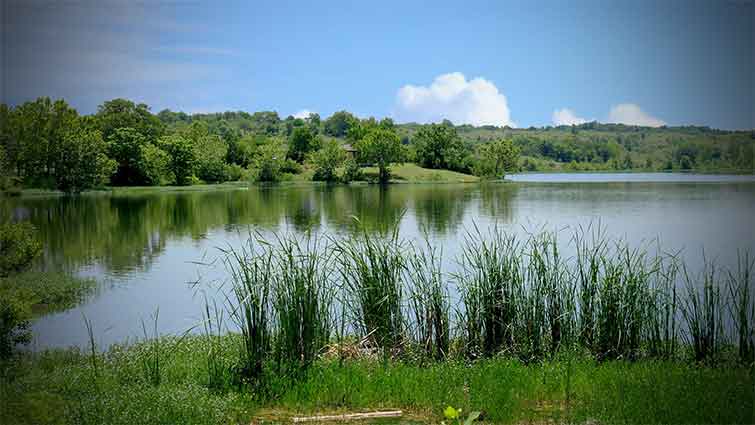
point(146, 243)
point(123, 233)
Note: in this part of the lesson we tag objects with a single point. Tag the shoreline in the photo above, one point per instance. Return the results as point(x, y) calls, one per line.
point(237, 185)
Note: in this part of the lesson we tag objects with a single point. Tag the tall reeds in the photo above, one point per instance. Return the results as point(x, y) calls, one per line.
point(489, 280)
point(703, 312)
point(251, 270)
point(371, 268)
point(429, 302)
point(303, 297)
point(518, 297)
point(742, 307)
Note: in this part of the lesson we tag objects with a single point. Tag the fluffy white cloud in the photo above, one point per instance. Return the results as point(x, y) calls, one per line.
point(451, 96)
point(631, 114)
point(566, 116)
point(304, 113)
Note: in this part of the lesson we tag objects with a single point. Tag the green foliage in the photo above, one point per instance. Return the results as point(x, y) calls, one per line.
point(233, 172)
point(338, 124)
point(269, 162)
point(302, 142)
point(455, 415)
point(381, 147)
point(154, 164)
point(210, 153)
point(182, 157)
point(125, 145)
point(82, 163)
point(121, 113)
point(438, 146)
point(326, 160)
point(19, 246)
point(494, 159)
point(48, 291)
point(15, 316)
point(351, 171)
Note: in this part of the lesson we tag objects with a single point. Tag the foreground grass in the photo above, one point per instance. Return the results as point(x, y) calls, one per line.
point(47, 292)
point(115, 388)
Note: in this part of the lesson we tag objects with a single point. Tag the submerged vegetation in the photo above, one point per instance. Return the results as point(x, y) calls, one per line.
point(26, 294)
point(372, 320)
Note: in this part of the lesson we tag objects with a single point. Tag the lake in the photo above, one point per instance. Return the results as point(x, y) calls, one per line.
point(149, 250)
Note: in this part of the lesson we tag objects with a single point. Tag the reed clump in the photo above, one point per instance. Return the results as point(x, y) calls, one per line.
point(379, 294)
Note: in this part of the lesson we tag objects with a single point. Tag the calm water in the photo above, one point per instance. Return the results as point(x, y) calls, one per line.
point(145, 249)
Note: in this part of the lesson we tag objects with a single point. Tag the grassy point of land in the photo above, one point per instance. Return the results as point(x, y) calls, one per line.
point(413, 173)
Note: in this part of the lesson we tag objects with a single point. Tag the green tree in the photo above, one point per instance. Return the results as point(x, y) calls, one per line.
point(36, 130)
point(338, 124)
point(381, 147)
point(209, 153)
point(269, 161)
point(495, 159)
point(326, 160)
point(439, 146)
point(302, 142)
point(266, 122)
point(122, 113)
point(154, 164)
point(82, 163)
point(125, 146)
point(182, 161)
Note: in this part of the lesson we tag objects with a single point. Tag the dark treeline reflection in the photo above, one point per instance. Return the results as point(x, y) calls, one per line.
point(123, 232)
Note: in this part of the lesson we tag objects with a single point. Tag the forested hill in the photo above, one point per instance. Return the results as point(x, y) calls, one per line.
point(590, 146)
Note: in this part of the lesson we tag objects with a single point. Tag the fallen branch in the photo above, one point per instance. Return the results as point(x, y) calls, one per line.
point(349, 416)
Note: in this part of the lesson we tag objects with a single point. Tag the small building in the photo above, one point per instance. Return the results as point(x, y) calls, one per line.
point(351, 150)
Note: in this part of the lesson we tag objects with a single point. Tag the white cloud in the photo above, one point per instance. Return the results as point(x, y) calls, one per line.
point(451, 96)
point(303, 114)
point(566, 116)
point(631, 114)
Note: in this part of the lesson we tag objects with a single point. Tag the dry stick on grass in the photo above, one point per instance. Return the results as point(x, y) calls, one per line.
point(349, 416)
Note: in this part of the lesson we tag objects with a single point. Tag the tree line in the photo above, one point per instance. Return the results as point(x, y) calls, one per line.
point(48, 144)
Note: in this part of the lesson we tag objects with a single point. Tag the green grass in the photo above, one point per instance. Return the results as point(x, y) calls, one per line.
point(62, 387)
point(48, 292)
point(536, 337)
point(413, 173)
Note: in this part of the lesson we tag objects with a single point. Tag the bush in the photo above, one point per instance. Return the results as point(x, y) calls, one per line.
point(269, 163)
point(352, 171)
point(154, 164)
point(15, 313)
point(18, 247)
point(291, 167)
point(326, 160)
point(234, 172)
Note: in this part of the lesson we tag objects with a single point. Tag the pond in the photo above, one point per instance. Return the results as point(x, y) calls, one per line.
point(149, 250)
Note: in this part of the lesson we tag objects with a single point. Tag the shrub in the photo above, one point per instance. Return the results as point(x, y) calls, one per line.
point(326, 160)
point(15, 313)
point(153, 164)
point(234, 172)
point(352, 171)
point(291, 167)
point(269, 163)
point(18, 247)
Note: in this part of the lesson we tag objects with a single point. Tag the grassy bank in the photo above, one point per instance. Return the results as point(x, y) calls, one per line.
point(413, 173)
point(613, 334)
point(117, 388)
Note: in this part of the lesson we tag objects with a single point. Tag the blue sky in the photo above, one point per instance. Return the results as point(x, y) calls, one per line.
point(517, 63)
